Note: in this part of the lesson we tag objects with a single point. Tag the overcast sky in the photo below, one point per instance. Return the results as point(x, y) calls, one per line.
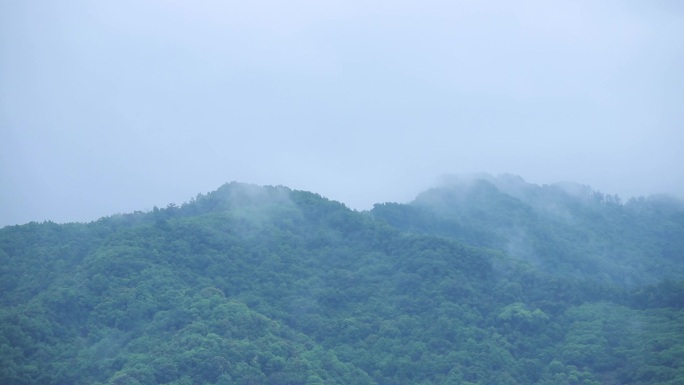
point(114, 106)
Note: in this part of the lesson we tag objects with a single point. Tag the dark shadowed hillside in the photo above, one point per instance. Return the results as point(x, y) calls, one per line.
point(490, 282)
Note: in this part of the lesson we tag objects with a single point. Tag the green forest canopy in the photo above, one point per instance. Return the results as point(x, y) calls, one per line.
point(491, 281)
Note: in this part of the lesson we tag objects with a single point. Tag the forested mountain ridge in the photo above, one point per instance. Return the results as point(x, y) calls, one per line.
point(266, 285)
point(564, 228)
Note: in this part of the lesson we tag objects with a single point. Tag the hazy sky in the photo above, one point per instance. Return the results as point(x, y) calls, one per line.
point(115, 106)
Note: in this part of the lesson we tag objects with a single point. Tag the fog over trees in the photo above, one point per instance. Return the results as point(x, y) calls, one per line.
point(481, 280)
point(358, 245)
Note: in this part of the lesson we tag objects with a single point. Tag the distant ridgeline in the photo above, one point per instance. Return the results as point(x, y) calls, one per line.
point(479, 281)
point(564, 229)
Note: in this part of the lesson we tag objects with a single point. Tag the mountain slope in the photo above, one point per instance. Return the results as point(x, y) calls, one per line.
point(266, 285)
point(564, 229)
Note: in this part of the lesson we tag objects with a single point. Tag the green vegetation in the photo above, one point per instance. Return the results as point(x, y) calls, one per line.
point(477, 283)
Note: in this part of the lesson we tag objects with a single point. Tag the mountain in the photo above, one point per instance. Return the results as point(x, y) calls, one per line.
point(564, 228)
point(268, 285)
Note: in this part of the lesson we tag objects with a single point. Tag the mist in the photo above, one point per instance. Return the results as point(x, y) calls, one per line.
point(108, 108)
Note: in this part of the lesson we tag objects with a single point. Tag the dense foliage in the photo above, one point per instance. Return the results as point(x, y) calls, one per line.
point(265, 285)
point(565, 229)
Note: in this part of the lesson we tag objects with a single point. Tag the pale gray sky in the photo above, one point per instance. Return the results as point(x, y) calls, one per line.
point(115, 106)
